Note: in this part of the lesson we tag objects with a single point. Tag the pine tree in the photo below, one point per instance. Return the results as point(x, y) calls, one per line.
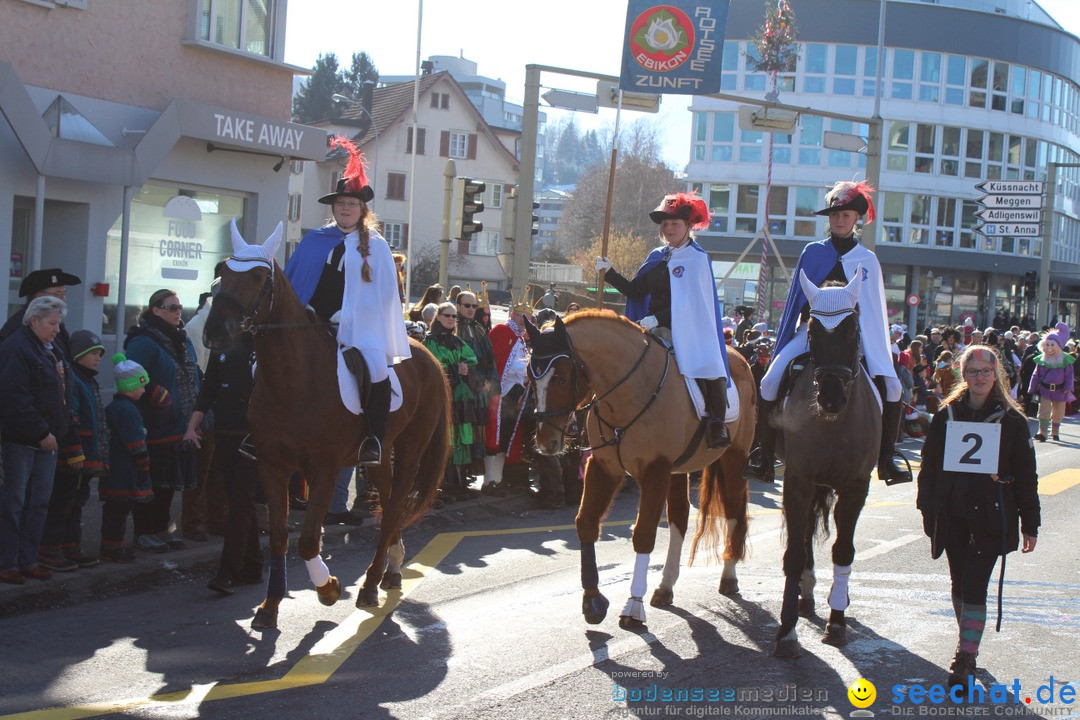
point(315, 100)
point(361, 71)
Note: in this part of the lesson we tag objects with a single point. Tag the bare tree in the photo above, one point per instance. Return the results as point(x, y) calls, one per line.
point(626, 250)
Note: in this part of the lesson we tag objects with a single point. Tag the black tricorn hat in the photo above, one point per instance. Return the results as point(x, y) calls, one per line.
point(849, 196)
point(354, 180)
point(38, 280)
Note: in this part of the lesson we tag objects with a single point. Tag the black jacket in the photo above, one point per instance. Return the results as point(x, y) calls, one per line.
point(946, 497)
point(16, 321)
point(656, 283)
point(226, 388)
point(35, 399)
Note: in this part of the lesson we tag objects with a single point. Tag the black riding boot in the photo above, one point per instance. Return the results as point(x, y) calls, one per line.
point(887, 469)
point(715, 391)
point(765, 468)
point(377, 410)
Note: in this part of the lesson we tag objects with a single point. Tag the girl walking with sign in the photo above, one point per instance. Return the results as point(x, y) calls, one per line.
point(977, 483)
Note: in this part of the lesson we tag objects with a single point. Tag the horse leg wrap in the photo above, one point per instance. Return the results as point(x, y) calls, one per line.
point(789, 611)
point(278, 582)
point(590, 578)
point(807, 583)
point(634, 608)
point(395, 555)
point(641, 572)
point(838, 593)
point(674, 555)
point(317, 571)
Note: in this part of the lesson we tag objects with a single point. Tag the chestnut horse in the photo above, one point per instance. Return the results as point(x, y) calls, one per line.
point(829, 439)
point(299, 424)
point(641, 423)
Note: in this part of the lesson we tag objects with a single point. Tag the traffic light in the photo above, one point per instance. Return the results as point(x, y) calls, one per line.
point(509, 214)
point(1031, 284)
point(534, 224)
point(471, 193)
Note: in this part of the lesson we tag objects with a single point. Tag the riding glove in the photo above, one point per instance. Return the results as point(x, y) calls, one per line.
point(602, 264)
point(648, 322)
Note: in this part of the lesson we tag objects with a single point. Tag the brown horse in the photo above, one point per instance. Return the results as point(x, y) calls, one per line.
point(642, 423)
point(299, 424)
point(831, 426)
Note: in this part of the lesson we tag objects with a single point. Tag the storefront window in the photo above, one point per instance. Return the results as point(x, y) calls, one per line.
point(176, 238)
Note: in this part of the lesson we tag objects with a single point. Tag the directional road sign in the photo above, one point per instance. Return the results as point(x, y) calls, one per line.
point(570, 100)
point(1011, 187)
point(988, 215)
point(608, 95)
point(1013, 229)
point(1027, 202)
point(844, 141)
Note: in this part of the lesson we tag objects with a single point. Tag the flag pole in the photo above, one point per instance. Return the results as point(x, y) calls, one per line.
point(412, 162)
point(610, 195)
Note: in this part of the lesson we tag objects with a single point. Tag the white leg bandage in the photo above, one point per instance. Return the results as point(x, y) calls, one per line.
point(674, 555)
point(807, 583)
point(395, 555)
point(641, 570)
point(317, 571)
point(838, 593)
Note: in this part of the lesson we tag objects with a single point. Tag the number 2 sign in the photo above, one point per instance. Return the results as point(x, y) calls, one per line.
point(972, 447)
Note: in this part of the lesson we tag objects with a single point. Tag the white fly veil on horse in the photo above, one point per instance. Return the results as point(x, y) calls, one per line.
point(830, 305)
point(246, 256)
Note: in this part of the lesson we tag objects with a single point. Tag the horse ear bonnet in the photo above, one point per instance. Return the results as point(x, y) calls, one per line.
point(830, 305)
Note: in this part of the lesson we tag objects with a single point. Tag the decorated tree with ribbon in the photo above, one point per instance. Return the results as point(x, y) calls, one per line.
point(778, 50)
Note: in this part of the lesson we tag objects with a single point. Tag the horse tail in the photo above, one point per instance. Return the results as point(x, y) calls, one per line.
point(432, 466)
point(819, 515)
point(711, 509)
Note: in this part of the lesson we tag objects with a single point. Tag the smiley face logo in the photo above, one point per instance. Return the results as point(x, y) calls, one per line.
point(862, 693)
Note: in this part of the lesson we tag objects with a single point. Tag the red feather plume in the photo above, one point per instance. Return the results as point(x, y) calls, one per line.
point(698, 212)
point(354, 174)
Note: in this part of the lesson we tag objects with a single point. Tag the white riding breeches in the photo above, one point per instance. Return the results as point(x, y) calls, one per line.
point(799, 344)
point(376, 363)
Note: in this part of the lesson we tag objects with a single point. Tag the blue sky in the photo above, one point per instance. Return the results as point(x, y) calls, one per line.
point(578, 34)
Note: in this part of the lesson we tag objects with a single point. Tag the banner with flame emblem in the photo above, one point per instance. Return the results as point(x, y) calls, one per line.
point(675, 47)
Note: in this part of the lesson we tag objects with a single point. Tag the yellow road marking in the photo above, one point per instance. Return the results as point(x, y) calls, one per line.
point(337, 646)
point(1060, 481)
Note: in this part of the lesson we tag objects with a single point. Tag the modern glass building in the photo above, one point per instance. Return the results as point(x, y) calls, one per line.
point(972, 90)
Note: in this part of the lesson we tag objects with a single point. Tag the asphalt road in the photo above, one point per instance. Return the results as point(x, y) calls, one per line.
point(488, 625)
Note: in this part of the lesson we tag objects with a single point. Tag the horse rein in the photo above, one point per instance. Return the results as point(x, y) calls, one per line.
point(247, 317)
point(845, 373)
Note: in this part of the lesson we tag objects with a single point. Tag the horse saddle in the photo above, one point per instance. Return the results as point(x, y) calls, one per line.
point(354, 392)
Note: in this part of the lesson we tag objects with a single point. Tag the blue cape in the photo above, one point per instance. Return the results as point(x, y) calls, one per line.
point(306, 264)
point(639, 308)
point(817, 260)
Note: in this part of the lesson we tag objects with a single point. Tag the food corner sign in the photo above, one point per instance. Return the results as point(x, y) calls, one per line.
point(674, 47)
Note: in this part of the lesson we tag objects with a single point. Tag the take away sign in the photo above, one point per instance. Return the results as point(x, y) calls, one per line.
point(674, 47)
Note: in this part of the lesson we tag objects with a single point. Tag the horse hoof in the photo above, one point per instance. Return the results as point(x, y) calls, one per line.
point(391, 581)
point(806, 607)
point(729, 586)
point(368, 598)
point(594, 608)
point(265, 619)
point(329, 593)
point(835, 635)
point(627, 622)
point(662, 597)
point(787, 649)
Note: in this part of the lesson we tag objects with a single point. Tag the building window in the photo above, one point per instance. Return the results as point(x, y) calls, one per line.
point(493, 195)
point(929, 77)
point(485, 242)
point(955, 76)
point(814, 68)
point(950, 151)
point(729, 68)
point(395, 233)
point(945, 231)
point(903, 72)
point(891, 206)
point(778, 203)
point(899, 143)
point(440, 101)
point(847, 59)
point(246, 25)
point(807, 202)
point(979, 72)
point(296, 167)
point(723, 137)
point(869, 71)
point(421, 140)
point(753, 80)
point(925, 140)
point(746, 208)
point(294, 207)
point(719, 205)
point(395, 186)
point(456, 144)
point(750, 147)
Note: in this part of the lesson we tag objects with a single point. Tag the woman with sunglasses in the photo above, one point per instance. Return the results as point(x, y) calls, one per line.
point(485, 376)
point(160, 344)
point(458, 360)
point(973, 516)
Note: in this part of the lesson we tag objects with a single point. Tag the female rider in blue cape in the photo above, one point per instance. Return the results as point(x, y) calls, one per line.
point(675, 290)
point(347, 266)
point(836, 258)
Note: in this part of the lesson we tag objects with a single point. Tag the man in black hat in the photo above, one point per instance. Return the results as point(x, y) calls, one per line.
point(745, 324)
point(52, 282)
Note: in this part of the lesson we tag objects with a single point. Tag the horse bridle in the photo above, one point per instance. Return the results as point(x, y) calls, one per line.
point(845, 373)
point(548, 362)
point(247, 317)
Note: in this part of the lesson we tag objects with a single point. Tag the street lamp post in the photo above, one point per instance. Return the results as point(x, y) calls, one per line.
point(929, 296)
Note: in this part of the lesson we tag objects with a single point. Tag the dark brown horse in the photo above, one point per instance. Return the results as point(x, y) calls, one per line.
point(641, 422)
point(299, 424)
point(830, 435)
